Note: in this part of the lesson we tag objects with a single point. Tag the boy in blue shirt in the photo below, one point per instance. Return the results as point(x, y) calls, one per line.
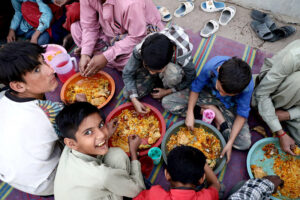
point(224, 85)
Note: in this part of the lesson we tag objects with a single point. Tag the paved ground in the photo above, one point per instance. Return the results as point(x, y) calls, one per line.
point(238, 29)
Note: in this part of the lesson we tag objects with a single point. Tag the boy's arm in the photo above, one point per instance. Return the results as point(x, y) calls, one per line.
point(236, 128)
point(46, 17)
point(189, 75)
point(190, 119)
point(211, 178)
point(129, 73)
point(120, 182)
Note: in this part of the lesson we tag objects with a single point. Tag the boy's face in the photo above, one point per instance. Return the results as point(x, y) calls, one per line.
point(40, 80)
point(92, 136)
point(221, 90)
point(153, 72)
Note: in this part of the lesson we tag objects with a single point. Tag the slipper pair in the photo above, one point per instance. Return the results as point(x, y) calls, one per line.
point(212, 26)
point(266, 29)
point(184, 8)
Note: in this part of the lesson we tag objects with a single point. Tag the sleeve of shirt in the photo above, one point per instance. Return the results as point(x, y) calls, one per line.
point(135, 24)
point(46, 17)
point(129, 72)
point(254, 189)
point(294, 112)
point(121, 183)
point(204, 77)
point(243, 101)
point(16, 20)
point(268, 85)
point(189, 74)
point(90, 27)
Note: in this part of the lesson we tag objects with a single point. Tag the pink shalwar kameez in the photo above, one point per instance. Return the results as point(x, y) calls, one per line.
point(112, 19)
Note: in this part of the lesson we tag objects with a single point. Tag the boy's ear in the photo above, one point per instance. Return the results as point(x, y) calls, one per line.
point(71, 143)
point(202, 179)
point(18, 86)
point(167, 175)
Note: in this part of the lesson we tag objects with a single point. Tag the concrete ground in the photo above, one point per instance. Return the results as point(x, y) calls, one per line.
point(237, 29)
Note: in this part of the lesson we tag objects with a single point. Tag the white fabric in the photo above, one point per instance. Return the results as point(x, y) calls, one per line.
point(28, 154)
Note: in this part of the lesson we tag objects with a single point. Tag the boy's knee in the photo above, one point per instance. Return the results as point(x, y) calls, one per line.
point(243, 142)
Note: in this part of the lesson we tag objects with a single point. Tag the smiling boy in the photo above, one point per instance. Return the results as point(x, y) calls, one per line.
point(28, 151)
point(88, 168)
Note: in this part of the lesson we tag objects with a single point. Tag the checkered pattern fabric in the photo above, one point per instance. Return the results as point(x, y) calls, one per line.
point(254, 189)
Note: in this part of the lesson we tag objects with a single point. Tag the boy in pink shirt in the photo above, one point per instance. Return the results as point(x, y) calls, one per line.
point(118, 24)
point(186, 169)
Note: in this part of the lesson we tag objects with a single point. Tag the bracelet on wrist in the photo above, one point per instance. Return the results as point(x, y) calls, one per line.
point(279, 136)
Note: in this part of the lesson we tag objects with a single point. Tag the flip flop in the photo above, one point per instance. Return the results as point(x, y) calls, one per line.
point(263, 18)
point(226, 15)
point(212, 6)
point(209, 28)
point(164, 13)
point(282, 32)
point(184, 8)
point(261, 30)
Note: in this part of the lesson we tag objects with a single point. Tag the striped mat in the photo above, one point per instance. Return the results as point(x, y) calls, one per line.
point(204, 49)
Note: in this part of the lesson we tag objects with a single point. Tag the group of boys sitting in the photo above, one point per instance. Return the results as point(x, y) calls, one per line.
point(161, 65)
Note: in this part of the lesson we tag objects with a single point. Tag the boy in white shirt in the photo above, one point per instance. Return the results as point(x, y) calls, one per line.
point(28, 151)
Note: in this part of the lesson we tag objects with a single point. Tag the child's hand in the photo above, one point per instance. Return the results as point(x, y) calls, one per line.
point(160, 93)
point(11, 36)
point(275, 180)
point(139, 107)
point(134, 142)
point(227, 149)
point(84, 60)
point(112, 126)
point(287, 144)
point(80, 97)
point(95, 64)
point(190, 120)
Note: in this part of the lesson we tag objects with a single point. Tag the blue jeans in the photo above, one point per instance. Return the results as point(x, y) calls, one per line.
point(44, 38)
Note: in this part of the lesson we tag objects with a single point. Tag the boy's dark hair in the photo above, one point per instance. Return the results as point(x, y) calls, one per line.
point(186, 164)
point(18, 58)
point(71, 116)
point(157, 51)
point(234, 75)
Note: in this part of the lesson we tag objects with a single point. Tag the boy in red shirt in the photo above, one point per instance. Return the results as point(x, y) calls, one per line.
point(186, 170)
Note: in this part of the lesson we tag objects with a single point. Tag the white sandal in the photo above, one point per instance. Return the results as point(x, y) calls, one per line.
point(226, 15)
point(184, 8)
point(210, 28)
point(164, 13)
point(212, 6)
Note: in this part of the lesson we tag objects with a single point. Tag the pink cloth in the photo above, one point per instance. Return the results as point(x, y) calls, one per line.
point(114, 17)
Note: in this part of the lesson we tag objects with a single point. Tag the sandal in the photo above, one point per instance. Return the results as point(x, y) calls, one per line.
point(261, 30)
point(263, 18)
point(184, 8)
point(164, 13)
point(226, 15)
point(282, 32)
point(212, 6)
point(210, 28)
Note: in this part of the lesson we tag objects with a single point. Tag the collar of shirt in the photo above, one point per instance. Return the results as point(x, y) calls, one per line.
point(87, 158)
